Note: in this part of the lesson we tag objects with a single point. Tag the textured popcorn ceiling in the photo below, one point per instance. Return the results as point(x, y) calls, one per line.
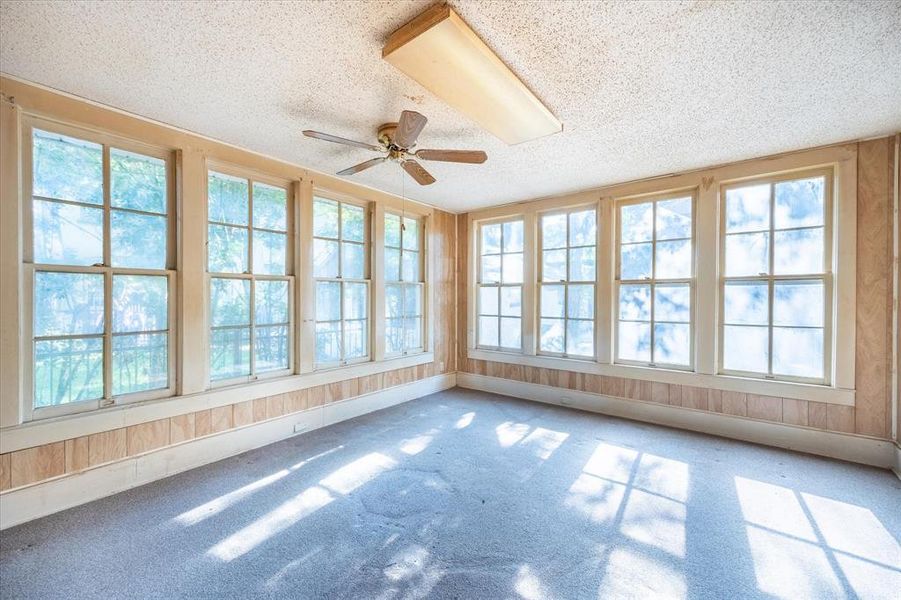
point(643, 89)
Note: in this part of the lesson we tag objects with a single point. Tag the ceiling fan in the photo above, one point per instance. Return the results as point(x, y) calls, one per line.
point(396, 142)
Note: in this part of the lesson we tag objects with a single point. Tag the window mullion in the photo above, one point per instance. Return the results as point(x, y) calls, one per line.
point(771, 280)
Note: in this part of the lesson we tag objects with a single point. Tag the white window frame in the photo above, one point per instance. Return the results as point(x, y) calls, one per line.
point(251, 177)
point(826, 277)
point(499, 284)
point(539, 269)
point(420, 282)
point(30, 268)
point(367, 278)
point(653, 281)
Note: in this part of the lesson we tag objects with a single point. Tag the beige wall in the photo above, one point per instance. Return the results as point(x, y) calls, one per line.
point(871, 415)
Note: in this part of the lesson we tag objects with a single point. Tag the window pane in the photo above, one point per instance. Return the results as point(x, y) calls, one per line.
point(140, 362)
point(328, 342)
point(580, 302)
point(672, 303)
point(748, 208)
point(634, 341)
point(137, 241)
point(798, 252)
point(229, 301)
point(553, 231)
point(392, 230)
point(553, 265)
point(798, 303)
point(269, 252)
point(580, 338)
point(636, 222)
point(355, 301)
point(745, 348)
point(392, 264)
point(491, 268)
point(352, 223)
point(229, 353)
point(271, 348)
point(551, 335)
point(67, 168)
point(228, 199)
point(412, 301)
point(227, 249)
point(672, 343)
point(270, 302)
point(66, 234)
point(582, 228)
point(411, 266)
point(137, 182)
point(799, 203)
point(328, 301)
point(67, 303)
point(491, 239)
point(394, 336)
point(325, 258)
point(673, 259)
point(488, 331)
point(798, 352)
point(674, 219)
point(635, 302)
point(352, 261)
point(635, 261)
point(746, 303)
point(511, 333)
point(511, 301)
point(270, 207)
point(413, 333)
point(69, 370)
point(325, 218)
point(394, 301)
point(747, 254)
point(411, 234)
point(553, 301)
point(582, 264)
point(140, 303)
point(512, 268)
point(513, 236)
point(488, 300)
point(355, 344)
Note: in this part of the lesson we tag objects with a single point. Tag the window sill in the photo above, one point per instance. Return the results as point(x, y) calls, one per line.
point(58, 428)
point(784, 389)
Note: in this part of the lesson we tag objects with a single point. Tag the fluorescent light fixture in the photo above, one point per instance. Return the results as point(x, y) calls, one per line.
point(444, 55)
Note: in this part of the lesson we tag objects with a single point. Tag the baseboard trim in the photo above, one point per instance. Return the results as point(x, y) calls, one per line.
point(25, 504)
point(853, 448)
point(897, 467)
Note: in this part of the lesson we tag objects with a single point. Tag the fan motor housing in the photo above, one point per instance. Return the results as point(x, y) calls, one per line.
point(386, 133)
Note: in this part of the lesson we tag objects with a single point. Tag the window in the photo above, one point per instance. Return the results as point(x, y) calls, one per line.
point(776, 276)
point(100, 248)
point(655, 270)
point(250, 286)
point(567, 283)
point(500, 285)
point(403, 285)
point(341, 272)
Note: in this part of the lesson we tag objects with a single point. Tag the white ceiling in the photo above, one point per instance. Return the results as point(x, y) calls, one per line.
point(643, 89)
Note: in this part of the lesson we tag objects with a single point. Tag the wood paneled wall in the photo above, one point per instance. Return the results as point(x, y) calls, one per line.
point(871, 416)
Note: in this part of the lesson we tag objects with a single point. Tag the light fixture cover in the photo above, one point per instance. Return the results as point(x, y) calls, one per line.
point(444, 55)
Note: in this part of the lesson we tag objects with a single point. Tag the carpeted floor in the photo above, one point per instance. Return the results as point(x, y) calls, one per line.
point(470, 495)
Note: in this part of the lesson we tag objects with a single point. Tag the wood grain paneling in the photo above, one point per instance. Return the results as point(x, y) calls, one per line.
point(243, 413)
point(735, 403)
point(840, 418)
point(715, 400)
point(221, 419)
point(260, 406)
point(147, 436)
point(275, 406)
point(78, 455)
point(34, 464)
point(794, 412)
point(816, 414)
point(106, 446)
point(768, 408)
point(5, 475)
point(203, 424)
point(694, 397)
point(181, 428)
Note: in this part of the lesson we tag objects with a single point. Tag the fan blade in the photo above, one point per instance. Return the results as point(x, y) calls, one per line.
point(341, 140)
point(416, 171)
point(458, 156)
point(408, 128)
point(363, 166)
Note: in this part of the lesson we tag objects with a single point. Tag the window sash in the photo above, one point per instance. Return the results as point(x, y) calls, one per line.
point(481, 283)
point(420, 314)
point(343, 360)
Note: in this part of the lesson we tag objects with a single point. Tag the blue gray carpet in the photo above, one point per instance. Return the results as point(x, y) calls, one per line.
point(471, 495)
